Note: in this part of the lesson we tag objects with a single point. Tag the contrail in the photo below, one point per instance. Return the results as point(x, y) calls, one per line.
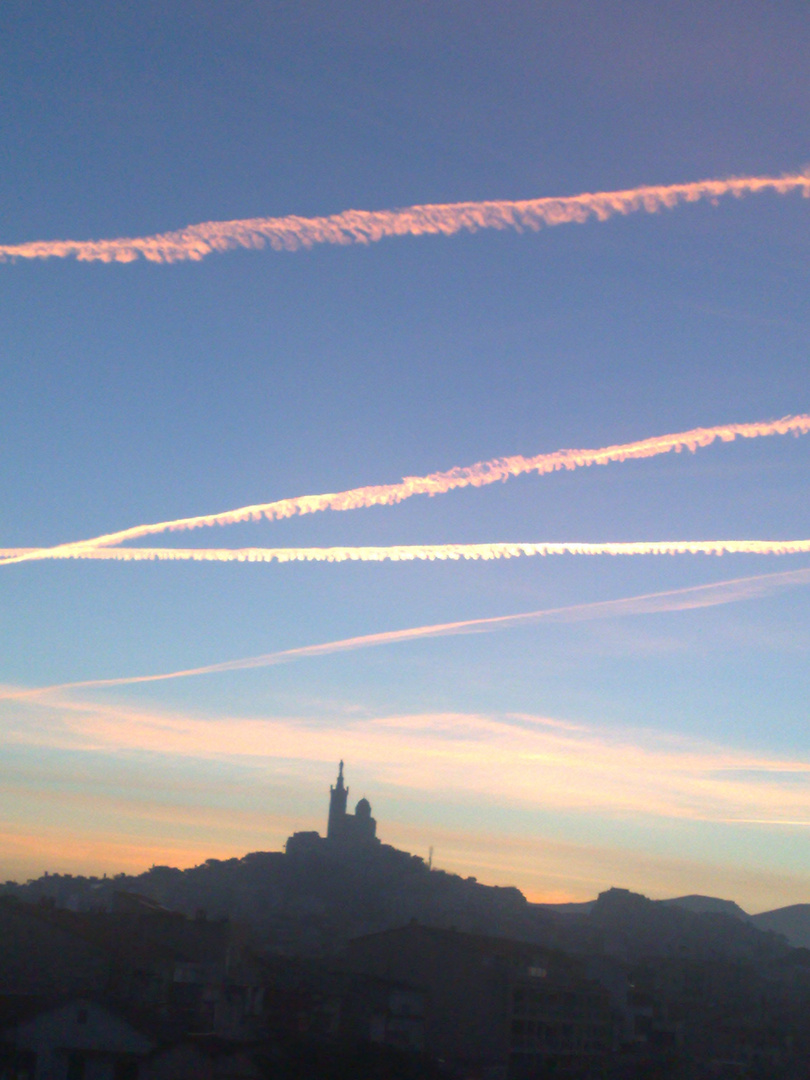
point(690, 598)
point(292, 232)
point(434, 552)
point(477, 475)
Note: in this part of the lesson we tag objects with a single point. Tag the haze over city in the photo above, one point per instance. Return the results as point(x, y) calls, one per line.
point(440, 374)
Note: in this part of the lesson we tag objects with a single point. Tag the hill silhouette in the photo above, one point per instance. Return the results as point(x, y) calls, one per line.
point(313, 900)
point(698, 903)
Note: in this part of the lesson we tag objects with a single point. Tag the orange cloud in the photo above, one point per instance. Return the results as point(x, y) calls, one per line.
point(449, 762)
point(292, 233)
point(535, 761)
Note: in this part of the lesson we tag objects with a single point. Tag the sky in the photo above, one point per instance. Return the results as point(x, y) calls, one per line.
point(656, 744)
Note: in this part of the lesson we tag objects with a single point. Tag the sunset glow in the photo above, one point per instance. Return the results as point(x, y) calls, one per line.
point(264, 265)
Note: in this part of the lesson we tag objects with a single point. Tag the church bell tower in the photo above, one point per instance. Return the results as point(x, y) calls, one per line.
point(339, 793)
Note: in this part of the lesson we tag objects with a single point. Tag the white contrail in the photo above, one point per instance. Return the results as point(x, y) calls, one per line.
point(368, 226)
point(477, 475)
point(685, 599)
point(434, 552)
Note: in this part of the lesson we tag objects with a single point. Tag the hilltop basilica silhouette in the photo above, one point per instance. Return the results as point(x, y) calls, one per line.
point(344, 831)
point(359, 827)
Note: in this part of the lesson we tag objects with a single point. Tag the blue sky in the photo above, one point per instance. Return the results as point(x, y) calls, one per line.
point(141, 392)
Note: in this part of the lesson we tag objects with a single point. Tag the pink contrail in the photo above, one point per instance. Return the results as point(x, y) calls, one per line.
point(478, 475)
point(435, 552)
point(292, 233)
point(690, 598)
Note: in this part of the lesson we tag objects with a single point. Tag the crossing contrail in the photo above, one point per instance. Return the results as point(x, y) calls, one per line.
point(685, 599)
point(292, 232)
point(477, 475)
point(433, 552)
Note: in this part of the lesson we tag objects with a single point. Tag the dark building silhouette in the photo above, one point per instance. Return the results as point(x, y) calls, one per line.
point(345, 832)
point(498, 1006)
point(357, 828)
point(41, 953)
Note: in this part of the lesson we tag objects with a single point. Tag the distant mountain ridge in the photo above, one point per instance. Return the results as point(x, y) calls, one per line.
point(792, 922)
point(703, 904)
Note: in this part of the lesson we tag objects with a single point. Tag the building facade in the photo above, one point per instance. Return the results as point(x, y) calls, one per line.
point(499, 1007)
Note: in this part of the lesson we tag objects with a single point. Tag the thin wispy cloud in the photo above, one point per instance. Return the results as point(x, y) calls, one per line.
point(292, 233)
point(438, 552)
point(518, 763)
point(685, 599)
point(480, 474)
point(534, 761)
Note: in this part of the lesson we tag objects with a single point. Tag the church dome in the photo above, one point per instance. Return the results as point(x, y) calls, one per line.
point(363, 809)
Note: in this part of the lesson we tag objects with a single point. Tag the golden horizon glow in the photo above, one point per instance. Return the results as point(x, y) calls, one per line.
point(449, 761)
